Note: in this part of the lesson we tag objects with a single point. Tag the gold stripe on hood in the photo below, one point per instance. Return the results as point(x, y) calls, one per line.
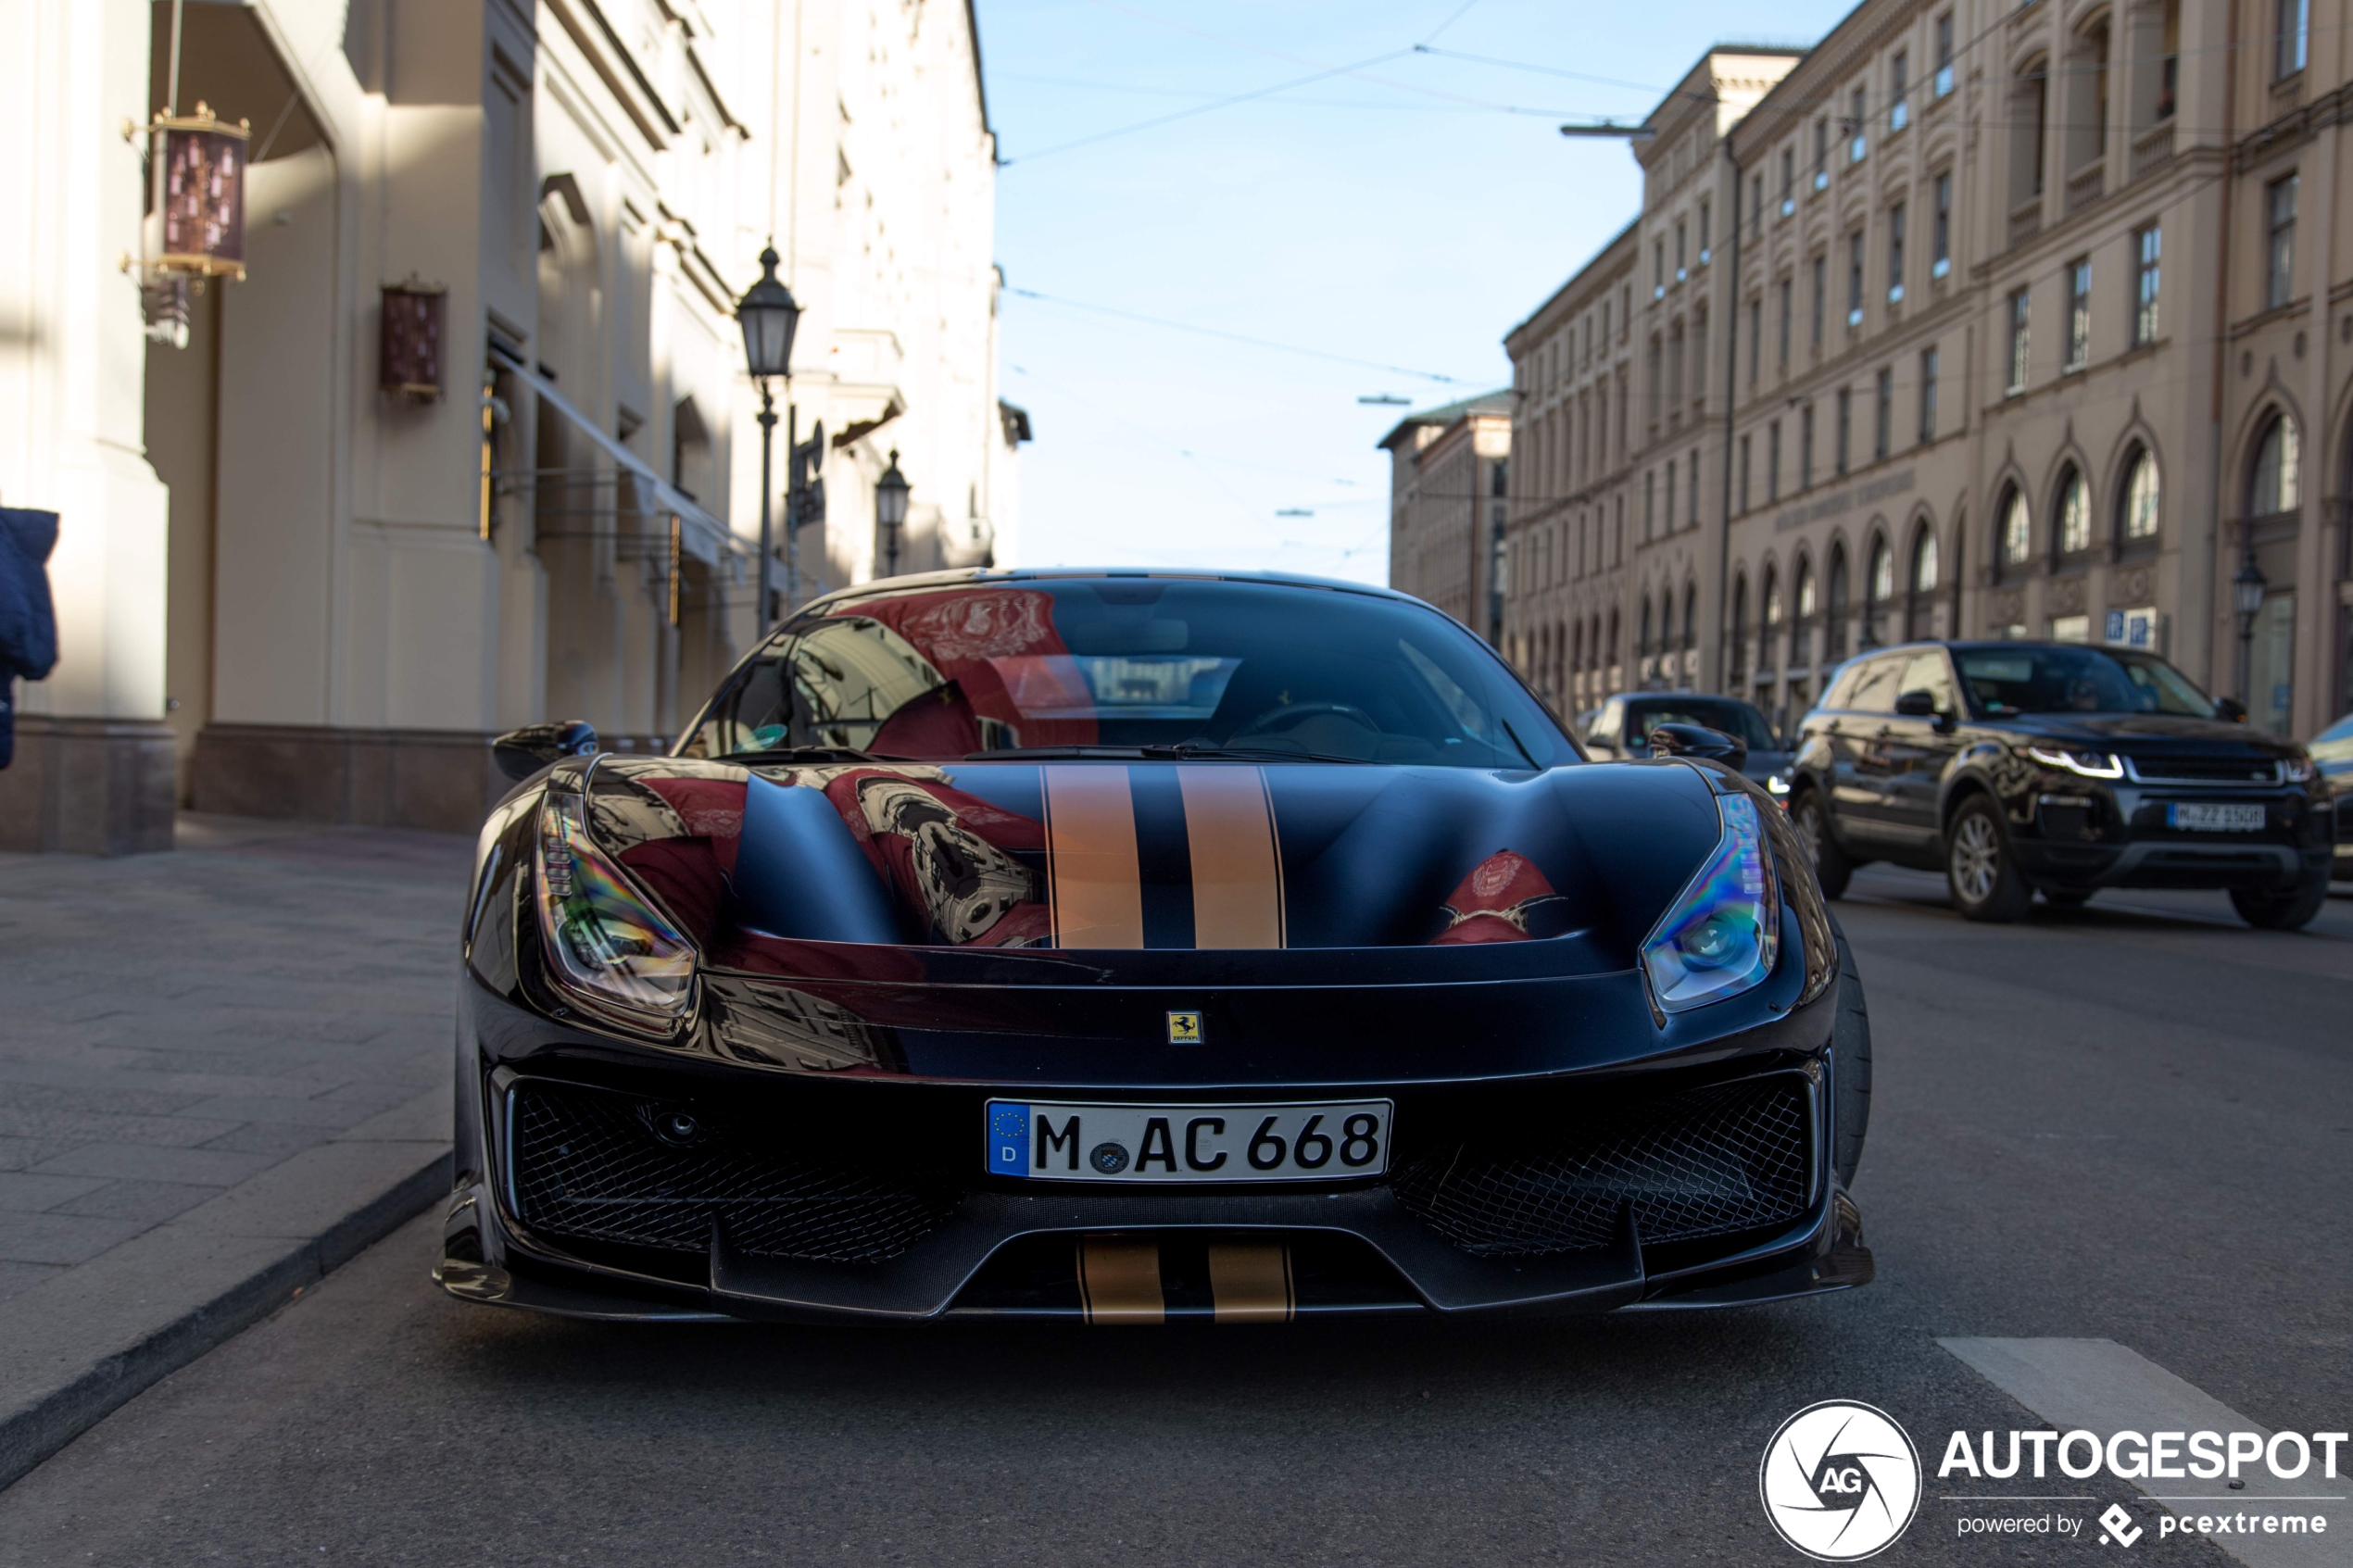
point(1238, 864)
point(1092, 881)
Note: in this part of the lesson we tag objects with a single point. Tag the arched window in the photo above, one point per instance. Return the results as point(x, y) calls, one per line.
point(1690, 616)
point(2277, 477)
point(1924, 562)
point(1801, 626)
point(1771, 600)
point(1644, 646)
point(2141, 495)
point(1613, 636)
point(1919, 608)
point(1738, 660)
point(1835, 644)
point(2018, 529)
point(1882, 571)
point(2074, 513)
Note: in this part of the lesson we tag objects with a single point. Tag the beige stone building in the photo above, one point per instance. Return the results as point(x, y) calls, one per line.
point(294, 581)
point(1450, 469)
point(2024, 317)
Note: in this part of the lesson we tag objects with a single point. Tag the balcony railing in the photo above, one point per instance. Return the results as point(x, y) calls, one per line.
point(2026, 219)
point(2152, 150)
point(2086, 185)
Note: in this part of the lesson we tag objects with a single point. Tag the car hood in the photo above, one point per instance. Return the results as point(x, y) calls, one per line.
point(2157, 730)
point(782, 869)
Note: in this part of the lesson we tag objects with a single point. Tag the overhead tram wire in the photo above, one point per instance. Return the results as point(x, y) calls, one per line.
point(1197, 110)
point(1242, 338)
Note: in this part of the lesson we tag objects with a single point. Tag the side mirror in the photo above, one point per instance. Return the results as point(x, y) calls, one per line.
point(1699, 741)
point(1915, 705)
point(520, 753)
point(2230, 708)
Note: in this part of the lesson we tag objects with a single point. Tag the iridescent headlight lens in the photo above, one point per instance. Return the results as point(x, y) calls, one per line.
point(603, 940)
point(1720, 936)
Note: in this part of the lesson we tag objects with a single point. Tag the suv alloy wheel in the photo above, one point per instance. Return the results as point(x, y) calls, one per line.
point(1812, 820)
point(1979, 866)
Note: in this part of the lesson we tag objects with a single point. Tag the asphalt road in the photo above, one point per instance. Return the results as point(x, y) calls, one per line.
point(2131, 1122)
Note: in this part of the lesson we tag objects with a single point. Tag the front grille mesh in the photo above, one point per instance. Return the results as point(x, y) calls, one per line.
point(589, 1165)
point(2206, 770)
point(1704, 1163)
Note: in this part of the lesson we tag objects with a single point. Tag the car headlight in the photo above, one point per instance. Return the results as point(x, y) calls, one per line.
point(606, 942)
point(2297, 769)
point(2089, 764)
point(1721, 934)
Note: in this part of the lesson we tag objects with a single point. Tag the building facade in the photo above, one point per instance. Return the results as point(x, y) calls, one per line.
point(296, 579)
point(1450, 473)
point(2024, 313)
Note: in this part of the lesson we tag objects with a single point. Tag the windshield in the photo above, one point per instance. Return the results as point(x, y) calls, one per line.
point(942, 674)
point(1733, 717)
point(2076, 680)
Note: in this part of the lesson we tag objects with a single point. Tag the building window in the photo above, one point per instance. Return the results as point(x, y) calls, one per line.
point(1755, 337)
point(1658, 270)
point(2169, 74)
point(2018, 530)
point(2279, 277)
point(1855, 146)
point(1786, 319)
point(2019, 302)
point(1928, 396)
point(1806, 447)
point(2278, 479)
point(1884, 414)
point(1845, 427)
point(1755, 207)
point(1895, 253)
point(1705, 210)
point(1789, 180)
point(2079, 313)
point(2294, 38)
point(1924, 562)
point(1821, 296)
point(2074, 514)
point(1821, 154)
point(2141, 495)
point(1899, 108)
point(1691, 485)
point(1941, 260)
point(1772, 462)
point(1650, 497)
point(1682, 269)
point(1944, 54)
point(2148, 248)
point(1743, 473)
point(1855, 278)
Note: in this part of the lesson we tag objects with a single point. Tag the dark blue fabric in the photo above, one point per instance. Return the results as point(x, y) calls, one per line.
point(27, 619)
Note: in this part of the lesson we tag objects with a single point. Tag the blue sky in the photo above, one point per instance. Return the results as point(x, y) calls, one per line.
point(1401, 214)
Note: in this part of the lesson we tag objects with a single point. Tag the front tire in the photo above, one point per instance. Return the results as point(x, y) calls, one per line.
point(2291, 911)
point(1980, 868)
point(1832, 869)
point(1851, 1061)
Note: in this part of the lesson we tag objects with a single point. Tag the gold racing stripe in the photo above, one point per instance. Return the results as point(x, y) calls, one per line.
point(1250, 1281)
point(1238, 864)
point(1119, 1280)
point(1094, 889)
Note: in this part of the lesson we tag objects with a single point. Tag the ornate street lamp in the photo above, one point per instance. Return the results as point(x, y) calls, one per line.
point(891, 508)
point(2248, 586)
point(768, 316)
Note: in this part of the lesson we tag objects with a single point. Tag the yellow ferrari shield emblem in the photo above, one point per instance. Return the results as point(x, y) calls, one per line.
point(1184, 1029)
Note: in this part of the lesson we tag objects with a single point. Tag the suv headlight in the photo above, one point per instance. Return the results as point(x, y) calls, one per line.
point(2089, 764)
point(2297, 769)
point(1720, 936)
point(604, 942)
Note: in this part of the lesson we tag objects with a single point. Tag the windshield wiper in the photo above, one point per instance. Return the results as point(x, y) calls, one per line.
point(809, 754)
point(1191, 751)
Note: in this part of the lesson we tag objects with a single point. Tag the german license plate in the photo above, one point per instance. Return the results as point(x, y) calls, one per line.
point(1188, 1143)
point(2199, 817)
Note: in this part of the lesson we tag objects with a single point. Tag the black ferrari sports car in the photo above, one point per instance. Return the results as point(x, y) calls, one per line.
point(1133, 948)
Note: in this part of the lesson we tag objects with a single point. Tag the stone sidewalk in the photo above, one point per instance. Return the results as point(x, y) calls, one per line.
point(223, 1070)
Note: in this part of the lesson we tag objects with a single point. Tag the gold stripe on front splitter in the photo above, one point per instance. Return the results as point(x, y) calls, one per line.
point(1119, 1280)
point(1250, 1281)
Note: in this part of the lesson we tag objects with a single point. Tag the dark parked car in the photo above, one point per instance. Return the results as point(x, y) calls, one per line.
point(2331, 752)
point(1620, 728)
point(2017, 766)
point(1121, 948)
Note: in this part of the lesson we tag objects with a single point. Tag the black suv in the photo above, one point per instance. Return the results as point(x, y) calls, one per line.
point(2014, 766)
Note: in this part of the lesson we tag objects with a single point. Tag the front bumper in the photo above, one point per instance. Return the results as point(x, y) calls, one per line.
point(2072, 833)
point(961, 1246)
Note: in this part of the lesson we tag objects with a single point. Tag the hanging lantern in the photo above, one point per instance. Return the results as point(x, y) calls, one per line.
point(200, 165)
point(409, 340)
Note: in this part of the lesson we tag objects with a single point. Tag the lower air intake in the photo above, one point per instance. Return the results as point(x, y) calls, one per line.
point(1703, 1162)
point(596, 1165)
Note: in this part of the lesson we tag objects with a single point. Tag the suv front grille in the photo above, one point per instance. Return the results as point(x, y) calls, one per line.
point(1704, 1163)
point(2203, 769)
point(598, 1166)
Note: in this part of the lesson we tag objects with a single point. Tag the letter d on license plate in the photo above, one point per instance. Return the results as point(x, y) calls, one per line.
point(1318, 1141)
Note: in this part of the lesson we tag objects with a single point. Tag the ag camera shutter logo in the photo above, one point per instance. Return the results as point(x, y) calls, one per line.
point(1840, 1481)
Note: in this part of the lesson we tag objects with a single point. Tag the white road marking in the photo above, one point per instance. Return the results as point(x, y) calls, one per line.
point(2099, 1386)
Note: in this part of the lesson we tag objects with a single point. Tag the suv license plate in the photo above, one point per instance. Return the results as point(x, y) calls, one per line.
point(1315, 1142)
point(2196, 818)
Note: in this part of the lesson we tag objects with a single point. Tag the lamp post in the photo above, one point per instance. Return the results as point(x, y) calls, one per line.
point(891, 508)
point(768, 316)
point(2248, 586)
